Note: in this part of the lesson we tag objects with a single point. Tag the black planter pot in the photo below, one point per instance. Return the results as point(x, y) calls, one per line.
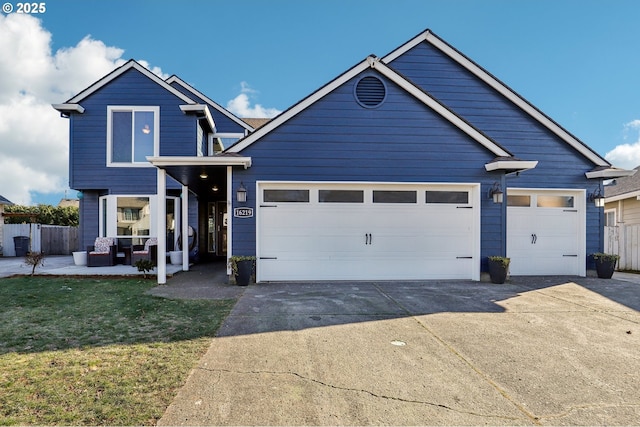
point(245, 270)
point(498, 271)
point(605, 268)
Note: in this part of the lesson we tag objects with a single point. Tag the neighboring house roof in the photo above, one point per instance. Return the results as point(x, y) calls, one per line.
point(69, 202)
point(5, 201)
point(255, 123)
point(623, 188)
point(429, 37)
point(372, 62)
point(177, 80)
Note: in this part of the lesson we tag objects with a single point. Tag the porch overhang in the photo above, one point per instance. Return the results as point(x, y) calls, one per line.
point(201, 174)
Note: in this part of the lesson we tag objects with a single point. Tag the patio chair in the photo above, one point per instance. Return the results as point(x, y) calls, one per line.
point(102, 253)
point(148, 251)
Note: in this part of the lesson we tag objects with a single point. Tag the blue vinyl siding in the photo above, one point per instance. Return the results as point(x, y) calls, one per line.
point(338, 140)
point(560, 165)
point(89, 130)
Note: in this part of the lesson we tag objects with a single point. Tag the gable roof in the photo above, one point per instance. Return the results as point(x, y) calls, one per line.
point(5, 201)
point(73, 103)
point(372, 62)
point(429, 37)
point(177, 80)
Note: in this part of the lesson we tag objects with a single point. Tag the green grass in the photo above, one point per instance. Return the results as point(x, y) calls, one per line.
point(96, 351)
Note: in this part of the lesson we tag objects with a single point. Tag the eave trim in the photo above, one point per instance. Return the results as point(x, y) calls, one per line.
point(121, 70)
point(69, 108)
point(200, 108)
point(609, 173)
point(166, 161)
point(186, 86)
point(501, 88)
point(511, 165)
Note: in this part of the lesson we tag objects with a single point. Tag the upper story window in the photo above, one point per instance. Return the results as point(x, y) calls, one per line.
point(222, 140)
point(132, 135)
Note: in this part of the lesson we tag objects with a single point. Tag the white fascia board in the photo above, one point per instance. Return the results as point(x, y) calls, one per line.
point(200, 108)
point(187, 86)
point(297, 108)
point(609, 173)
point(520, 165)
point(121, 70)
point(631, 195)
point(69, 108)
point(500, 87)
point(165, 161)
point(440, 109)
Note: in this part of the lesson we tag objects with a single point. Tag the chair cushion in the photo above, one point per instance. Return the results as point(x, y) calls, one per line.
point(102, 245)
point(151, 241)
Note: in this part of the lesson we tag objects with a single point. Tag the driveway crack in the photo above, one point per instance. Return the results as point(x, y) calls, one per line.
point(357, 390)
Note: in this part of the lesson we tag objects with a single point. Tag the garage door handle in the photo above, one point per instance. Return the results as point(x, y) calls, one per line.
point(534, 239)
point(573, 256)
point(367, 238)
point(268, 257)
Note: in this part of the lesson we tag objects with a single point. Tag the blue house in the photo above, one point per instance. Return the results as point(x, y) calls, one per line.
point(415, 165)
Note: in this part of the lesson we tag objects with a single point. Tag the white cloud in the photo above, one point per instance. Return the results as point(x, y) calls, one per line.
point(627, 155)
point(241, 105)
point(33, 138)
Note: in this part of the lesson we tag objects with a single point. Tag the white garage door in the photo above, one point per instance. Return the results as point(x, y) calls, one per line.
point(315, 231)
point(546, 232)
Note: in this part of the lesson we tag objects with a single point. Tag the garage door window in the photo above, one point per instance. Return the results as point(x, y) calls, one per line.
point(555, 201)
point(341, 196)
point(519, 201)
point(299, 196)
point(384, 196)
point(448, 197)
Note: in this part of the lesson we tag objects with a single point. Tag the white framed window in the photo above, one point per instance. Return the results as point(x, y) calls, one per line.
point(610, 218)
point(135, 217)
point(133, 133)
point(222, 140)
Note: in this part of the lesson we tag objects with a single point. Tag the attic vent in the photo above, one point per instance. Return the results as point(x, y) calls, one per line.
point(370, 92)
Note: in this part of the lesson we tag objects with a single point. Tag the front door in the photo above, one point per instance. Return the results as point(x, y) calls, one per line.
point(217, 228)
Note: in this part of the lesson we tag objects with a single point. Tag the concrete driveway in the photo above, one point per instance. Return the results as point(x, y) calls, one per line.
point(537, 351)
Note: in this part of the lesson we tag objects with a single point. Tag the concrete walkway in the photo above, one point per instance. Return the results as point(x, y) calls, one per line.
point(535, 351)
point(61, 265)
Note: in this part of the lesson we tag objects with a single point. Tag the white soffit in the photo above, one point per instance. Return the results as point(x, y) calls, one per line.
point(69, 108)
point(200, 108)
point(609, 173)
point(511, 165)
point(166, 161)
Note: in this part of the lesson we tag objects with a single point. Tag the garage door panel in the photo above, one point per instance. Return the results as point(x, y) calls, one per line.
point(546, 240)
point(366, 241)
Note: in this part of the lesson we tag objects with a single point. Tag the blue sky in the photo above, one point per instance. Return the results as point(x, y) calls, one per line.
point(577, 61)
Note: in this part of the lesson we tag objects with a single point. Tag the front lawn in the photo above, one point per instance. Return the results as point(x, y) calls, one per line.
point(96, 351)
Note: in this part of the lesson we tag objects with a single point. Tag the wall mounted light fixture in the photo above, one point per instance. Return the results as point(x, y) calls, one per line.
point(496, 193)
point(241, 194)
point(597, 198)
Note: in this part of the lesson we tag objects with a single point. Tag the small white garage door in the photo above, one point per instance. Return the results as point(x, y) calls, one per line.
point(346, 231)
point(546, 232)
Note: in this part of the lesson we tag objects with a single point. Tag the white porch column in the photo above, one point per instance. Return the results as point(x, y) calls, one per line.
point(184, 227)
point(229, 217)
point(161, 230)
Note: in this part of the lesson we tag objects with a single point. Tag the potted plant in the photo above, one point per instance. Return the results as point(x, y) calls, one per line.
point(498, 269)
point(605, 264)
point(242, 268)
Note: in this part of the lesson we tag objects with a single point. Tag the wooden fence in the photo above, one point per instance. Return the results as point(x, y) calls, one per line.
point(624, 240)
point(50, 239)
